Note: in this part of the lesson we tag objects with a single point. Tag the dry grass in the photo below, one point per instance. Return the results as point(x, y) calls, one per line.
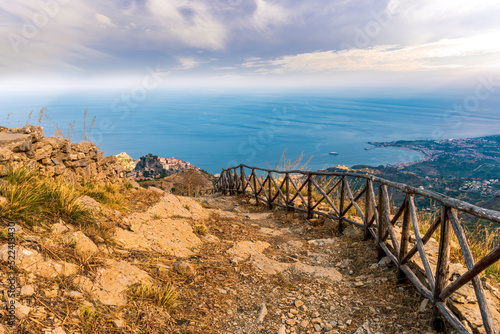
point(163, 296)
point(37, 200)
point(200, 229)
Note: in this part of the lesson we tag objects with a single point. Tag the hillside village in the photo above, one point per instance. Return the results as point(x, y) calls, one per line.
point(150, 167)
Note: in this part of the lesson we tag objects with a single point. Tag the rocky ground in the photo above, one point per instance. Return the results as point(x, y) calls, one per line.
point(237, 268)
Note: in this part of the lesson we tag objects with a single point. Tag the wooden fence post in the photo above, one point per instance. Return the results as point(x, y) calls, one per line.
point(341, 205)
point(368, 210)
point(309, 196)
point(443, 266)
point(242, 179)
point(382, 228)
point(255, 186)
point(287, 182)
point(269, 186)
point(405, 240)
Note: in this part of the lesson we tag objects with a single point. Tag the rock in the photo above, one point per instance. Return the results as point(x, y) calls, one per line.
point(3, 201)
point(172, 206)
point(33, 262)
point(73, 294)
point(325, 272)
point(323, 242)
point(330, 224)
point(59, 228)
point(354, 232)
point(210, 238)
point(27, 291)
point(423, 305)
point(22, 311)
point(270, 231)
point(113, 280)
point(298, 303)
point(246, 249)
point(166, 236)
point(118, 324)
point(3, 330)
point(282, 329)
point(262, 313)
point(156, 190)
point(184, 268)
point(84, 246)
point(364, 329)
point(59, 330)
point(384, 261)
point(88, 202)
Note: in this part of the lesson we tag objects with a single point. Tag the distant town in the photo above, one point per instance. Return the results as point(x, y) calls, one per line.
point(151, 166)
point(467, 169)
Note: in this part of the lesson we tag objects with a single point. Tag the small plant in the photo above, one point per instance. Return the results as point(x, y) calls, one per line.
point(156, 216)
point(163, 296)
point(200, 229)
point(187, 207)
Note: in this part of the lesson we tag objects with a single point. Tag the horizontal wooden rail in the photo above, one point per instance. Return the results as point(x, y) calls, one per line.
point(351, 198)
point(197, 192)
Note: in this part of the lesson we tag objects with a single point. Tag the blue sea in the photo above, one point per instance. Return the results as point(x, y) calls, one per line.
point(217, 129)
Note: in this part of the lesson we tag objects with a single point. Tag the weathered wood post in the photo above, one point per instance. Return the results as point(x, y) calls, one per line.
point(368, 210)
point(382, 228)
point(287, 182)
point(309, 196)
point(231, 182)
point(443, 267)
point(242, 179)
point(255, 186)
point(341, 205)
point(269, 187)
point(405, 239)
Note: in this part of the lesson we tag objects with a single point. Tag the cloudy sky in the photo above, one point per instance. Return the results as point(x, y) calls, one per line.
point(75, 43)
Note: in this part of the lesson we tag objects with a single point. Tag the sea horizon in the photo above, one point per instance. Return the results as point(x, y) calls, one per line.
point(219, 129)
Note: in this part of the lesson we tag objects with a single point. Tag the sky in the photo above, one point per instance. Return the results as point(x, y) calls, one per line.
point(79, 44)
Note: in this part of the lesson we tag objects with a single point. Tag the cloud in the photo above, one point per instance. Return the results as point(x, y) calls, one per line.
point(189, 63)
point(103, 19)
point(247, 37)
point(447, 53)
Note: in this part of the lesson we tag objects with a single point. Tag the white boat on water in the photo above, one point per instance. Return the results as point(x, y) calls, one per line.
point(334, 153)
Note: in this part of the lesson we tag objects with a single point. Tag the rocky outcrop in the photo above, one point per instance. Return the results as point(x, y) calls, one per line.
point(127, 161)
point(149, 164)
point(54, 156)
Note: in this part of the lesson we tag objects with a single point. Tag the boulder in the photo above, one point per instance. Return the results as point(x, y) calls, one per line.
point(84, 246)
point(166, 236)
point(113, 280)
point(33, 262)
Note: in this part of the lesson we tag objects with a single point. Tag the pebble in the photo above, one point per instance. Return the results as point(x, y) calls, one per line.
point(27, 291)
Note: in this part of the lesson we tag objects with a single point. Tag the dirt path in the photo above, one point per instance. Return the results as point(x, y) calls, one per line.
point(273, 272)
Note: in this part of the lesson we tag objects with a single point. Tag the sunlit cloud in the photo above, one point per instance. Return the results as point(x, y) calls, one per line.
point(447, 53)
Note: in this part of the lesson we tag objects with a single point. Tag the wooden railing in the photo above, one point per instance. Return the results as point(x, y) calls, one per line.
point(371, 209)
point(197, 192)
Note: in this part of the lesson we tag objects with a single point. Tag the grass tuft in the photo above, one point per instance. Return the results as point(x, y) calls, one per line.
point(34, 199)
point(163, 296)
